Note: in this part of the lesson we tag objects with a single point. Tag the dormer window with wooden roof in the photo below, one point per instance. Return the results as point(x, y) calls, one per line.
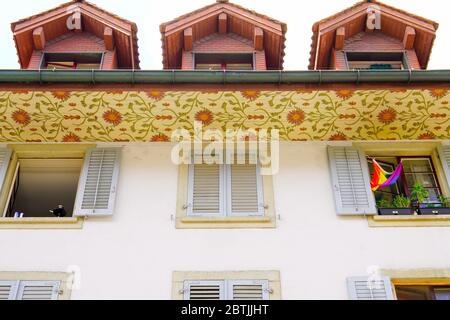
point(371, 35)
point(76, 35)
point(223, 36)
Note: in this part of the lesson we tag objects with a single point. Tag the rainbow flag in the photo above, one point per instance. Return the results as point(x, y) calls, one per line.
point(382, 179)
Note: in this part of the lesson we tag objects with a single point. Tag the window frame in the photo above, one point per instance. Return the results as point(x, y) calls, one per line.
point(19, 279)
point(384, 58)
point(225, 193)
point(403, 187)
point(71, 57)
point(226, 287)
point(28, 151)
point(183, 221)
point(14, 185)
point(239, 56)
point(181, 278)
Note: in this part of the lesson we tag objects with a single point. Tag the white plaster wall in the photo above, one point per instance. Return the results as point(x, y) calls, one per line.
point(133, 254)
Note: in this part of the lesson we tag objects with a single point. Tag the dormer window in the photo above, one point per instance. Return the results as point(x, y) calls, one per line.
point(224, 61)
point(72, 61)
point(376, 61)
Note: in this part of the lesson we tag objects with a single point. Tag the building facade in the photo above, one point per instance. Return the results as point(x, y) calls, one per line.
point(107, 192)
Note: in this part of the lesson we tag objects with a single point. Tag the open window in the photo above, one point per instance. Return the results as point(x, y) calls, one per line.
point(72, 61)
point(48, 181)
point(224, 61)
point(416, 170)
point(43, 188)
point(422, 292)
point(376, 61)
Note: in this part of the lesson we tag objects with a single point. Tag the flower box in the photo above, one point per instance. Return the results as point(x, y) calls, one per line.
point(434, 211)
point(396, 211)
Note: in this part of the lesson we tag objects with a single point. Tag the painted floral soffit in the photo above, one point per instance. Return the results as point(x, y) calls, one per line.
point(128, 116)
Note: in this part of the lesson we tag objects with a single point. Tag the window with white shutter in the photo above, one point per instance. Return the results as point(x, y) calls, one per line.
point(351, 181)
point(8, 290)
point(206, 190)
point(225, 190)
point(5, 157)
point(38, 290)
point(365, 288)
point(444, 156)
point(248, 289)
point(245, 190)
point(98, 182)
point(204, 290)
point(227, 290)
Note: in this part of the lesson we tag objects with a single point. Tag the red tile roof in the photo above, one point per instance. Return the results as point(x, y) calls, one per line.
point(224, 4)
point(357, 5)
point(132, 26)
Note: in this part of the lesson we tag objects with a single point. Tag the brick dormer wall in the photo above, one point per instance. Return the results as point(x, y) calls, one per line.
point(76, 43)
point(372, 42)
point(223, 43)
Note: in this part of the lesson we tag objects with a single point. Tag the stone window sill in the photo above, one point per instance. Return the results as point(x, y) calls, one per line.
point(409, 221)
point(226, 223)
point(41, 223)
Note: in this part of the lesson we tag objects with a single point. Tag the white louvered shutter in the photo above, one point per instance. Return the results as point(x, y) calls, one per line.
point(5, 158)
point(98, 182)
point(38, 290)
point(248, 290)
point(444, 155)
point(245, 196)
point(351, 181)
point(204, 290)
point(206, 196)
point(8, 290)
point(363, 288)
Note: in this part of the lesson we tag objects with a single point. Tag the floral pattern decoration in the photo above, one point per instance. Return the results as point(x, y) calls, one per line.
point(152, 115)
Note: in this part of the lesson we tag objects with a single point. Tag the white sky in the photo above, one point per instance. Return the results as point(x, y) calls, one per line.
point(298, 14)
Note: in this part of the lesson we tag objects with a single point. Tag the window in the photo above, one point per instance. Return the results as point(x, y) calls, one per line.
point(431, 284)
point(227, 290)
point(351, 176)
point(56, 181)
point(41, 186)
point(415, 170)
point(71, 61)
point(376, 60)
point(34, 286)
point(234, 285)
point(422, 292)
point(219, 62)
point(225, 190)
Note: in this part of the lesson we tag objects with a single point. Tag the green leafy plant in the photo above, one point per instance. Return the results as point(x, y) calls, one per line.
point(445, 201)
point(384, 203)
point(401, 202)
point(419, 194)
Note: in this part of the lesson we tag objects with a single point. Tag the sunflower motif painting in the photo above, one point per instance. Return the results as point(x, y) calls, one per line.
point(153, 115)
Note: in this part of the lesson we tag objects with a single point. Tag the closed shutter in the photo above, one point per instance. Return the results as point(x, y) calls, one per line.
point(38, 290)
point(204, 290)
point(351, 181)
point(245, 190)
point(98, 182)
point(248, 290)
point(444, 155)
point(365, 288)
point(8, 290)
point(5, 158)
point(206, 190)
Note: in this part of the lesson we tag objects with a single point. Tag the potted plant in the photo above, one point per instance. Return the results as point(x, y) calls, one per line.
point(420, 195)
point(400, 206)
point(443, 208)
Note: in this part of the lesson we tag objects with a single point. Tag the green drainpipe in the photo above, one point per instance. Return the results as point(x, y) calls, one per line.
point(219, 77)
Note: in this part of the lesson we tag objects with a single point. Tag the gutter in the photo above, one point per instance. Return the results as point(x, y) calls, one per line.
point(222, 77)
